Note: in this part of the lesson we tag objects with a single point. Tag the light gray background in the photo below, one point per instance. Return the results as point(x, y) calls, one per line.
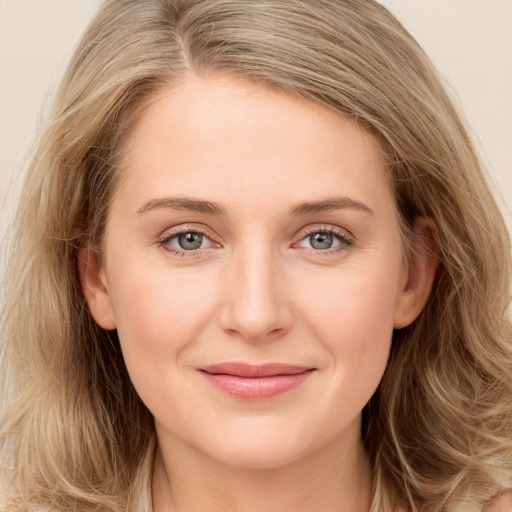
point(470, 41)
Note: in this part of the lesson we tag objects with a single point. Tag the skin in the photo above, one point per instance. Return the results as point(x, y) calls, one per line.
point(256, 291)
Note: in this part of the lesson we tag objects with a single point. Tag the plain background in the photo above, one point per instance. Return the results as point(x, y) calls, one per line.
point(470, 41)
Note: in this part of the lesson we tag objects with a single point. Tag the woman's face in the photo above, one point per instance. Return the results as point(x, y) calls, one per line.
point(253, 269)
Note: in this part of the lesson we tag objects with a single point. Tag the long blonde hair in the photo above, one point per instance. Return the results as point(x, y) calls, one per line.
point(74, 433)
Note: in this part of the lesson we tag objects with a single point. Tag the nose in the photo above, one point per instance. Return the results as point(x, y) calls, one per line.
point(256, 304)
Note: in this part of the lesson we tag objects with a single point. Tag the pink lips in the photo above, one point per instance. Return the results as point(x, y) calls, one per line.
point(254, 382)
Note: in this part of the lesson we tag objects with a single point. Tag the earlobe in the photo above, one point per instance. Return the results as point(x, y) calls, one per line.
point(418, 276)
point(94, 288)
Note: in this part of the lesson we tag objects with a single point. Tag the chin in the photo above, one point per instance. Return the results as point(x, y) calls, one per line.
point(260, 448)
point(259, 458)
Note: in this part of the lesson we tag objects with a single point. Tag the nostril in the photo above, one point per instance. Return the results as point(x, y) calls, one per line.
point(256, 333)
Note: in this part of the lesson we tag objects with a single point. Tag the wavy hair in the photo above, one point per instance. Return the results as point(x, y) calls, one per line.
point(75, 435)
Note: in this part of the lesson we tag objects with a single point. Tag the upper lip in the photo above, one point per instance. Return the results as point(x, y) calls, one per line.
point(251, 370)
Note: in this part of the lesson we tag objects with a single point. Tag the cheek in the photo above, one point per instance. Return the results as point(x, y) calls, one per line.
point(158, 313)
point(352, 316)
point(351, 301)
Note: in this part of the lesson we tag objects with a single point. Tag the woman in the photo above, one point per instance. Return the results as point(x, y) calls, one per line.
point(256, 265)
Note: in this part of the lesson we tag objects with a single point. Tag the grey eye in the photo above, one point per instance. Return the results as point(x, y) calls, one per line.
point(189, 241)
point(321, 240)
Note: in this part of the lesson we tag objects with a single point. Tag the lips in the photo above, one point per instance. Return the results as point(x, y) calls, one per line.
point(254, 382)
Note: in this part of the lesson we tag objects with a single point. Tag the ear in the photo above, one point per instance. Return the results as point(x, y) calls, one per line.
point(94, 287)
point(418, 274)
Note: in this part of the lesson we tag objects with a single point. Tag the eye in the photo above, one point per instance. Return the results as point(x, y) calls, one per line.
point(186, 241)
point(322, 240)
point(325, 239)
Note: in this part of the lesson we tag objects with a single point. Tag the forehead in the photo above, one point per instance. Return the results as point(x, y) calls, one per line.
point(229, 138)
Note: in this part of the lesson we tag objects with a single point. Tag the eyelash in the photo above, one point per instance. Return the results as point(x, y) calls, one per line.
point(345, 240)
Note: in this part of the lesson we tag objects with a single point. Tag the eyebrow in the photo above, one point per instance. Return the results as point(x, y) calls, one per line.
point(183, 203)
point(211, 208)
point(332, 203)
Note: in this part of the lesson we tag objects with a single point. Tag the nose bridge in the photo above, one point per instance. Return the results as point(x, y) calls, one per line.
point(256, 305)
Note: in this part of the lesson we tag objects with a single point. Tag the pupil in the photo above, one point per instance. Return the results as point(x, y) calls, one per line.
point(190, 241)
point(321, 240)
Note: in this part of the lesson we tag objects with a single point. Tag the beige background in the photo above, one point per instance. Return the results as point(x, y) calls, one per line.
point(470, 41)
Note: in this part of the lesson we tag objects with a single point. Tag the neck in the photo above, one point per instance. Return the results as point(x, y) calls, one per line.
point(332, 479)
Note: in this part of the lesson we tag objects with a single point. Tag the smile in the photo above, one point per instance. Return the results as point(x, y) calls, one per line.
point(255, 382)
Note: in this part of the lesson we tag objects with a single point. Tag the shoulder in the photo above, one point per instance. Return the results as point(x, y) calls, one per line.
point(502, 504)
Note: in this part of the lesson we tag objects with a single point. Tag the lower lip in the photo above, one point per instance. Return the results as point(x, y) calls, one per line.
point(256, 388)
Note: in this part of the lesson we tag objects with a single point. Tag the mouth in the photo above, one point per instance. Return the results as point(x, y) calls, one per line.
point(255, 382)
